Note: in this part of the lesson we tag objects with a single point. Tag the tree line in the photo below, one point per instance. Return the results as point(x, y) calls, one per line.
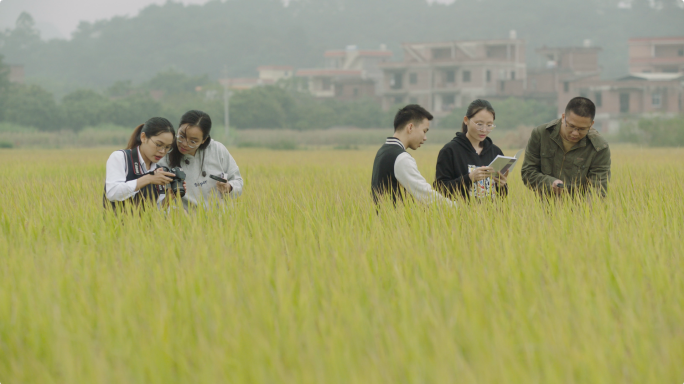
point(171, 93)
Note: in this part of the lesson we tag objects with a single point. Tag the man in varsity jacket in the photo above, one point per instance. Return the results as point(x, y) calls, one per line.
point(395, 172)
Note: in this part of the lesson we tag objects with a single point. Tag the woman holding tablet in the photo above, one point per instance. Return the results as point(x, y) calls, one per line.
point(463, 163)
point(132, 174)
point(211, 172)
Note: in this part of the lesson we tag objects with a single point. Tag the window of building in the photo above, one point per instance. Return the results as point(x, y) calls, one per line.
point(566, 86)
point(448, 102)
point(624, 102)
point(450, 76)
point(497, 51)
point(398, 99)
point(413, 100)
point(326, 84)
point(356, 91)
point(512, 75)
point(489, 76)
point(598, 99)
point(656, 100)
point(397, 81)
point(502, 85)
point(466, 76)
point(332, 63)
point(413, 78)
point(441, 53)
point(680, 52)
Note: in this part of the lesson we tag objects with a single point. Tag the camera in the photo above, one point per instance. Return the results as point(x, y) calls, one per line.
point(176, 180)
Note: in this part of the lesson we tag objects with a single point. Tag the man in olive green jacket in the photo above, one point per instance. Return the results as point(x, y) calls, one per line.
point(567, 155)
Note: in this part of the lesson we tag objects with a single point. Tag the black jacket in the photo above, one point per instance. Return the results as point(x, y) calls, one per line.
point(452, 165)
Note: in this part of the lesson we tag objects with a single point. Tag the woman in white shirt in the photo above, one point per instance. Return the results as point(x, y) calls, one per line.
point(132, 173)
point(201, 157)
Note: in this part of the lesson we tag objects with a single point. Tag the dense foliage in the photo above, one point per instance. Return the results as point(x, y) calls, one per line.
point(171, 93)
point(657, 132)
point(510, 113)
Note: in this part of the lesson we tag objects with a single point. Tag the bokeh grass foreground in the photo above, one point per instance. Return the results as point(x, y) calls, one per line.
point(300, 281)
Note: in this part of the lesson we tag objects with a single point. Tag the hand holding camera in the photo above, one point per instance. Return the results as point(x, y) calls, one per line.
point(176, 178)
point(159, 177)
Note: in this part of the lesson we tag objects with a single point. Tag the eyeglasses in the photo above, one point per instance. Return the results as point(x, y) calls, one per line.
point(191, 144)
point(481, 127)
point(581, 131)
point(161, 147)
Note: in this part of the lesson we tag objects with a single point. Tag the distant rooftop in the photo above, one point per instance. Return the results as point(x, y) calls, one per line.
point(368, 53)
point(275, 68)
point(663, 39)
point(329, 72)
point(653, 76)
point(569, 49)
point(467, 42)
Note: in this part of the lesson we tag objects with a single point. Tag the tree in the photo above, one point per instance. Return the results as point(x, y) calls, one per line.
point(132, 111)
point(84, 108)
point(4, 86)
point(510, 113)
point(262, 107)
point(23, 37)
point(32, 106)
point(173, 81)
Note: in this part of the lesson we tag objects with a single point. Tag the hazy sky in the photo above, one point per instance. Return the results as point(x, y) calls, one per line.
point(58, 18)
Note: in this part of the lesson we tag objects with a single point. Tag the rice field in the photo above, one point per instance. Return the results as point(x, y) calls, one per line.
point(300, 281)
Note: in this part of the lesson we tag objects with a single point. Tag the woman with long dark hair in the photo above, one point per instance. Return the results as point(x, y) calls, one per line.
point(132, 173)
point(202, 157)
point(463, 163)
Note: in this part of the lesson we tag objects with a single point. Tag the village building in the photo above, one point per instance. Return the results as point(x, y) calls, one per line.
point(656, 55)
point(347, 74)
point(629, 97)
point(447, 75)
point(557, 67)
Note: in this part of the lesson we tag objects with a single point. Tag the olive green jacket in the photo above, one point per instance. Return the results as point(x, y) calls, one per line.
point(586, 165)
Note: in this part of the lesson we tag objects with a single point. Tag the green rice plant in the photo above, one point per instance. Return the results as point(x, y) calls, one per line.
point(301, 280)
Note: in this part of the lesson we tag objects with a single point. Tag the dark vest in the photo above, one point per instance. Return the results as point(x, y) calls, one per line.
point(150, 193)
point(384, 181)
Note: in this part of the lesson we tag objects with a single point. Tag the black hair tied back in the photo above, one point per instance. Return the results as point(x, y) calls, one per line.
point(152, 127)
